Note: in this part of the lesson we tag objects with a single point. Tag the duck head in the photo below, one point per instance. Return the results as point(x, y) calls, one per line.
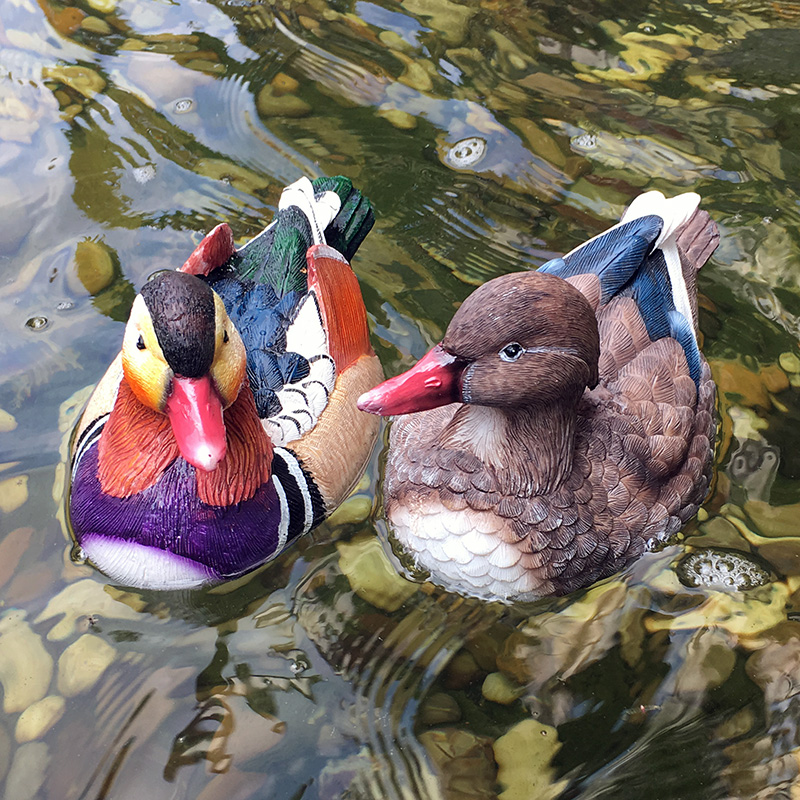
point(520, 340)
point(182, 357)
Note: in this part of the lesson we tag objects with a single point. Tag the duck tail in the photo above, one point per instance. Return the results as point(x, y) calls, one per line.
point(325, 211)
point(652, 255)
point(696, 241)
point(687, 239)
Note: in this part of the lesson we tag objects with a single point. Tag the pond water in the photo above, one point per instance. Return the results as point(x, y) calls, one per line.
point(490, 135)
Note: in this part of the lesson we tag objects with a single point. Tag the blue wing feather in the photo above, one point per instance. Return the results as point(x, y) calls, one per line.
point(627, 265)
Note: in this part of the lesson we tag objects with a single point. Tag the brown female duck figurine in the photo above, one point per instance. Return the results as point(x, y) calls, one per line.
point(566, 421)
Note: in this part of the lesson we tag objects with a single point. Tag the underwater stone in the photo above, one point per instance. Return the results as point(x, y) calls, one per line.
point(352, 512)
point(721, 569)
point(439, 708)
point(93, 266)
point(82, 664)
point(37, 719)
point(523, 756)
point(13, 493)
point(82, 79)
point(12, 549)
point(95, 25)
point(462, 671)
point(271, 104)
point(77, 601)
point(464, 763)
point(7, 421)
point(25, 665)
point(283, 84)
point(371, 575)
point(499, 688)
point(789, 362)
point(27, 772)
point(400, 119)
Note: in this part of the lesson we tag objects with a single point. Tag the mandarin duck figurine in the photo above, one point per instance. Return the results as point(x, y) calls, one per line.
point(227, 426)
point(566, 422)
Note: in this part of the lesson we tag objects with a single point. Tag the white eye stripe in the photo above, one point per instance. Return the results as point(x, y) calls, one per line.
point(514, 351)
point(570, 351)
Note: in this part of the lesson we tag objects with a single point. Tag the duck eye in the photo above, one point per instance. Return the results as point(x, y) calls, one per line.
point(140, 343)
point(511, 352)
point(224, 336)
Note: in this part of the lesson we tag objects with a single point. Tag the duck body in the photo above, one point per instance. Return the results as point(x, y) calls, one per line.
point(227, 427)
point(566, 422)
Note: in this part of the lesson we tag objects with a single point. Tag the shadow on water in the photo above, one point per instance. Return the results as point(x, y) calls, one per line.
point(489, 136)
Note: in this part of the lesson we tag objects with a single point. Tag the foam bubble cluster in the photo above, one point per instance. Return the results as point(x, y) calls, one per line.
point(722, 569)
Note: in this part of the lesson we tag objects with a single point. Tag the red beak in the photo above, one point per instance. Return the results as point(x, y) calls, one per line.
point(195, 412)
point(434, 381)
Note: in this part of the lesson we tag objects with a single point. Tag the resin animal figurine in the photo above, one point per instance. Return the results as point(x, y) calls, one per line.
point(227, 426)
point(566, 422)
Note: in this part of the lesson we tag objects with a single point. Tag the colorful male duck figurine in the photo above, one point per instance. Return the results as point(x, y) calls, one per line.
point(566, 421)
point(227, 426)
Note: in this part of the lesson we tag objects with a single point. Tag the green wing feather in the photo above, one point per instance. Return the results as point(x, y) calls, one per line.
point(277, 256)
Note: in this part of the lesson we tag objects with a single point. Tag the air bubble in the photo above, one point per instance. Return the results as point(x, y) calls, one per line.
point(722, 569)
point(37, 323)
point(183, 105)
point(466, 153)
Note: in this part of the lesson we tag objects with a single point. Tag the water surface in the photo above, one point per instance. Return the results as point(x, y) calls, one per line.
point(490, 136)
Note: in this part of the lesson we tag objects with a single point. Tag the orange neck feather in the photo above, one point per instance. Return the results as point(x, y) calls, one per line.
point(248, 462)
point(137, 445)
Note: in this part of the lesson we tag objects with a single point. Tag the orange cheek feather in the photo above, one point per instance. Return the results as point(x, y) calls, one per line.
point(136, 446)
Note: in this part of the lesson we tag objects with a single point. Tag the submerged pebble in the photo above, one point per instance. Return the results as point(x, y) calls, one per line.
point(523, 756)
point(7, 421)
point(271, 104)
point(27, 772)
point(82, 664)
point(95, 25)
point(13, 493)
point(371, 575)
point(499, 688)
point(25, 665)
point(37, 719)
point(438, 709)
point(94, 266)
point(721, 569)
point(77, 601)
point(464, 764)
point(353, 511)
point(789, 362)
point(82, 79)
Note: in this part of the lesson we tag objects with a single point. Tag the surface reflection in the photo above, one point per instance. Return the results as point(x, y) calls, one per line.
point(131, 127)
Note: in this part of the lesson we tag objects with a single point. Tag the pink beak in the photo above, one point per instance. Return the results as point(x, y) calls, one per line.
point(434, 381)
point(195, 412)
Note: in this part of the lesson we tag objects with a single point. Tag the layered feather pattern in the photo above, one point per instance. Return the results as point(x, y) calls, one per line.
point(546, 496)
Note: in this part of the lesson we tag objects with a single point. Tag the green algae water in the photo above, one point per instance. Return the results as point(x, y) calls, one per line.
point(490, 135)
